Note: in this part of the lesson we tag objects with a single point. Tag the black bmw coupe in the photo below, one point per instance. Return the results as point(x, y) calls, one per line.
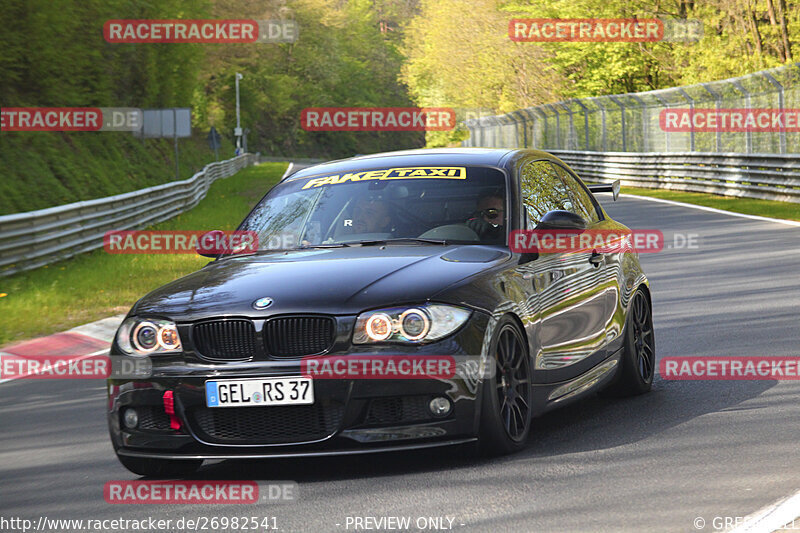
point(379, 257)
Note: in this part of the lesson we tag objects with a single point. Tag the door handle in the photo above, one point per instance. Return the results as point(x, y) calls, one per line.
point(596, 259)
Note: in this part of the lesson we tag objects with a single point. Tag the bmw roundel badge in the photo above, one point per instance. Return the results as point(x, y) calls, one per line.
point(263, 303)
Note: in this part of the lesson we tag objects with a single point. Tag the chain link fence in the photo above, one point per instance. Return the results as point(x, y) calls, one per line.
point(634, 122)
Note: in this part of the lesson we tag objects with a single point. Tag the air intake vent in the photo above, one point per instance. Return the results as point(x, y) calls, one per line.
point(267, 425)
point(298, 336)
point(398, 410)
point(233, 340)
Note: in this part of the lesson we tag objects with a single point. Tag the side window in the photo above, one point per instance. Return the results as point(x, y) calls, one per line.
point(542, 191)
point(584, 205)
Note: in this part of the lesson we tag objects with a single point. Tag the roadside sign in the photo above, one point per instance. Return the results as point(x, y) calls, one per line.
point(214, 138)
point(214, 141)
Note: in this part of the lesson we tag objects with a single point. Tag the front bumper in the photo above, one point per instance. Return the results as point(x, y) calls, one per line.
point(349, 415)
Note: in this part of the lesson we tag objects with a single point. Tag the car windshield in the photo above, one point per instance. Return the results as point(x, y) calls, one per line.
point(426, 205)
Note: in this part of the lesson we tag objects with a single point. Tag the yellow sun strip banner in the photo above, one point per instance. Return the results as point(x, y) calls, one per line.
point(457, 173)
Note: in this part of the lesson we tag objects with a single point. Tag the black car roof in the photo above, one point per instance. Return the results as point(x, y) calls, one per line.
point(411, 158)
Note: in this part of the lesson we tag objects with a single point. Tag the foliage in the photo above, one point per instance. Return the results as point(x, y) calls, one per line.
point(450, 53)
point(458, 53)
point(45, 169)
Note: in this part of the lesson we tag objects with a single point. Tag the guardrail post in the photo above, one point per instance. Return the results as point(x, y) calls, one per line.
point(571, 133)
point(520, 114)
point(515, 121)
point(665, 105)
point(533, 114)
point(537, 111)
point(603, 121)
point(622, 115)
point(717, 106)
point(748, 134)
point(777, 84)
point(585, 123)
point(546, 140)
point(691, 114)
point(558, 125)
point(175, 138)
point(644, 120)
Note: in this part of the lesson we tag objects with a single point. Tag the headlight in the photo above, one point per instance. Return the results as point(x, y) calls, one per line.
point(138, 336)
point(417, 324)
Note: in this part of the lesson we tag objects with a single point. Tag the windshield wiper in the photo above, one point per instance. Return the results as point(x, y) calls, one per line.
point(273, 250)
point(323, 245)
point(376, 242)
point(255, 252)
point(401, 240)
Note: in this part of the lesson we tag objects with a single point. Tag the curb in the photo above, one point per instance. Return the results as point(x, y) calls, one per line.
point(81, 341)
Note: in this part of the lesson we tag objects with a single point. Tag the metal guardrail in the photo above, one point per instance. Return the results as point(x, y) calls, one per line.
point(295, 160)
point(764, 176)
point(622, 137)
point(631, 122)
point(37, 238)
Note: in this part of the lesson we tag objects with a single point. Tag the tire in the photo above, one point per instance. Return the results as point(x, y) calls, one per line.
point(159, 467)
point(637, 364)
point(505, 420)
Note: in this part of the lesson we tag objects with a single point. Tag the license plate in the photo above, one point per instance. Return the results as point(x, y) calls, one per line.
point(259, 392)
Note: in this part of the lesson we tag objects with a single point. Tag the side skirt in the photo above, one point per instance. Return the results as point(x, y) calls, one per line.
point(554, 395)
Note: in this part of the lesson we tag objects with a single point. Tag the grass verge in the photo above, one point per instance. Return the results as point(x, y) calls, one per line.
point(46, 169)
point(747, 206)
point(97, 284)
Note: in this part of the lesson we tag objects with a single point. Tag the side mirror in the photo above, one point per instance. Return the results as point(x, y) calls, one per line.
point(527, 257)
point(207, 243)
point(612, 187)
point(559, 219)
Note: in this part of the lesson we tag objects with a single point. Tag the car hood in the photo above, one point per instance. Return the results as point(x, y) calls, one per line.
point(331, 281)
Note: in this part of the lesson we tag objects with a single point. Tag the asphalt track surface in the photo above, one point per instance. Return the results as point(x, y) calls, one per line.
point(656, 462)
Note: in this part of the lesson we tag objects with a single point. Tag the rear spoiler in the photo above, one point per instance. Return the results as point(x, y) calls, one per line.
point(612, 187)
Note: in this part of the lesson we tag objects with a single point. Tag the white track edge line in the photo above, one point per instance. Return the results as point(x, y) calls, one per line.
point(772, 517)
point(715, 210)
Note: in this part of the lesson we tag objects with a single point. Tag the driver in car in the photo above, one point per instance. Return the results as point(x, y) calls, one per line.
point(488, 221)
point(370, 215)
